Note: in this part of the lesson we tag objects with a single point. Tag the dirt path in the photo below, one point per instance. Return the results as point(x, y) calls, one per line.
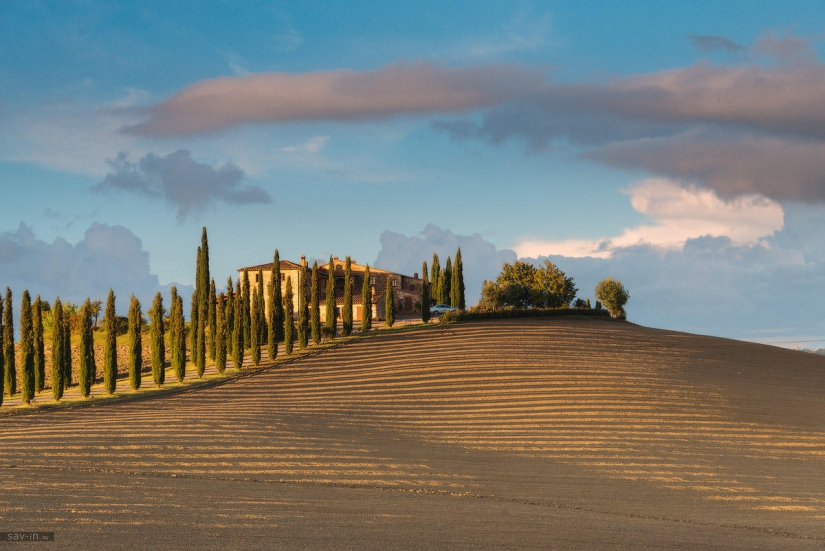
point(565, 434)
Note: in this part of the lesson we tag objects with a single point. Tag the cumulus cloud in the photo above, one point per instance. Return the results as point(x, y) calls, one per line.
point(678, 214)
point(405, 254)
point(342, 95)
point(709, 44)
point(106, 257)
point(787, 48)
point(179, 180)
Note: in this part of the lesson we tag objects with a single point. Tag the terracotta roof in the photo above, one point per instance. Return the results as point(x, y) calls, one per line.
point(285, 265)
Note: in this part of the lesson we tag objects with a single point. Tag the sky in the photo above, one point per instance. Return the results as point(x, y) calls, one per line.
point(678, 147)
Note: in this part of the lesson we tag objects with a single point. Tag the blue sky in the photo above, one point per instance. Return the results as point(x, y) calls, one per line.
point(678, 147)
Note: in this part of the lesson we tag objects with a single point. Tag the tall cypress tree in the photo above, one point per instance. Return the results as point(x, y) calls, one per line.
point(110, 347)
point(156, 331)
point(220, 334)
point(39, 347)
point(435, 272)
point(211, 315)
point(262, 312)
point(389, 305)
point(457, 287)
point(180, 336)
point(366, 302)
point(67, 348)
point(58, 350)
point(446, 283)
point(289, 317)
point(84, 368)
point(201, 355)
point(330, 321)
point(237, 333)
point(136, 342)
point(8, 346)
point(425, 294)
point(303, 310)
point(229, 316)
point(347, 310)
point(194, 321)
point(26, 349)
point(246, 307)
point(278, 303)
point(2, 359)
point(174, 350)
point(255, 330)
point(271, 329)
point(203, 297)
point(194, 345)
point(315, 307)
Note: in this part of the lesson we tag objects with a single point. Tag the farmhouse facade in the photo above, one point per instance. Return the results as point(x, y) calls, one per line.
point(407, 290)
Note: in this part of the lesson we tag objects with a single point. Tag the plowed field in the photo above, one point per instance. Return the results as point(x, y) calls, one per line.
point(529, 434)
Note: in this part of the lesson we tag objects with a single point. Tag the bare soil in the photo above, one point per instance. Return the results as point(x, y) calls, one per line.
point(520, 434)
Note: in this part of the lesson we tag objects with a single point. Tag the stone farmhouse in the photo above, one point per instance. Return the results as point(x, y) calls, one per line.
point(407, 290)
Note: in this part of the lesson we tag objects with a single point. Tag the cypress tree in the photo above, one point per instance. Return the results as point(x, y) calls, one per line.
point(237, 333)
point(435, 286)
point(271, 329)
point(203, 295)
point(389, 305)
point(67, 348)
point(425, 294)
point(262, 312)
point(8, 346)
point(303, 311)
point(194, 318)
point(229, 316)
point(460, 301)
point(246, 306)
point(174, 349)
point(193, 327)
point(330, 321)
point(289, 317)
point(255, 330)
point(156, 331)
point(84, 368)
point(315, 307)
point(110, 348)
point(58, 350)
point(180, 335)
point(26, 349)
point(446, 283)
point(278, 303)
point(366, 302)
point(347, 311)
point(201, 355)
point(220, 334)
point(211, 315)
point(136, 342)
point(39, 347)
point(2, 359)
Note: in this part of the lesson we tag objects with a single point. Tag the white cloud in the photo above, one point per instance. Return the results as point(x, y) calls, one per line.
point(677, 213)
point(106, 257)
point(312, 145)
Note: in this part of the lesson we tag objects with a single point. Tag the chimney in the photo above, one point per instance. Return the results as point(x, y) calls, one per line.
point(415, 275)
point(303, 260)
point(335, 258)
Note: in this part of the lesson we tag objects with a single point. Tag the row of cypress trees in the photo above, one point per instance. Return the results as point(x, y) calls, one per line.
point(220, 326)
point(445, 285)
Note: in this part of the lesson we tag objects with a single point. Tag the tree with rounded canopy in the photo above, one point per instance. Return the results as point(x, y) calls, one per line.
point(612, 294)
point(552, 288)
